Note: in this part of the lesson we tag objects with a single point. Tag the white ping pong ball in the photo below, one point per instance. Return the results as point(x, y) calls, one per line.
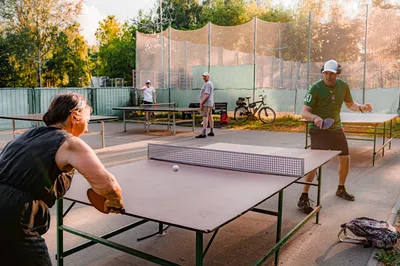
point(175, 168)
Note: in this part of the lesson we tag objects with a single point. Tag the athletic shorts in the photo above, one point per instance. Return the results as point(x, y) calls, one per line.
point(329, 140)
point(206, 111)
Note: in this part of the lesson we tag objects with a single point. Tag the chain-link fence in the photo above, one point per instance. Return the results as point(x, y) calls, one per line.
point(274, 56)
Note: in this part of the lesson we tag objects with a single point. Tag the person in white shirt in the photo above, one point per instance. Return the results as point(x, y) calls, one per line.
point(149, 95)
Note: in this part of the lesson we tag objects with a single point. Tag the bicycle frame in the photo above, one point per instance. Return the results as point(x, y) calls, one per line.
point(255, 109)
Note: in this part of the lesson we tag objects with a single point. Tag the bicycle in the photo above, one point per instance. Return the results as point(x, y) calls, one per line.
point(243, 112)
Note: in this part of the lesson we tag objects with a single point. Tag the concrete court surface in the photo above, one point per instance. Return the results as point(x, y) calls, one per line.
point(246, 239)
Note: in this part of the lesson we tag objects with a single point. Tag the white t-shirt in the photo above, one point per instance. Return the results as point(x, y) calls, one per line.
point(148, 94)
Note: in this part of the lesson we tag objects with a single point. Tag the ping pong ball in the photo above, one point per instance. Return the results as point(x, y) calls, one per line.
point(175, 168)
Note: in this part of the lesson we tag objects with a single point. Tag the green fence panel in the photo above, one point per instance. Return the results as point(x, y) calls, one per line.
point(107, 98)
point(14, 102)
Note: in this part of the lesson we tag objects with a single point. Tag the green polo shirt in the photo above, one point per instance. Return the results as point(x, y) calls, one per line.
point(327, 101)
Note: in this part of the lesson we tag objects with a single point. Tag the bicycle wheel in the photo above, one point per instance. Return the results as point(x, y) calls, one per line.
point(267, 115)
point(241, 114)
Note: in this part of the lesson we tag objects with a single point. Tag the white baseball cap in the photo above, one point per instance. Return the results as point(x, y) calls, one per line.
point(148, 81)
point(206, 74)
point(331, 66)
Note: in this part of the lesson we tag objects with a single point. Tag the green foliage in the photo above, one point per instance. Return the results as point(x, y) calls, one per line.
point(116, 54)
point(32, 29)
point(6, 69)
point(389, 258)
point(68, 66)
point(226, 13)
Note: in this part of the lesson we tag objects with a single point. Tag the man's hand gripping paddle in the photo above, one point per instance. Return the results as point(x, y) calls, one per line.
point(98, 201)
point(327, 123)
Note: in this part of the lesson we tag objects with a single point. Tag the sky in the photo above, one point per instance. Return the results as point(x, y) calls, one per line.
point(95, 11)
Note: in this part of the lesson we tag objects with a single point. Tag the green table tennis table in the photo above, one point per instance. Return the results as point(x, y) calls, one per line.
point(367, 124)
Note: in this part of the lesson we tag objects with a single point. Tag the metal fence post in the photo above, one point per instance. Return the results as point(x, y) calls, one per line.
point(169, 64)
point(255, 58)
point(365, 53)
point(136, 70)
point(209, 48)
point(309, 50)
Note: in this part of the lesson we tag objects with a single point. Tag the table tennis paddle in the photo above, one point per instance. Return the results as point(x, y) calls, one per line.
point(327, 123)
point(98, 201)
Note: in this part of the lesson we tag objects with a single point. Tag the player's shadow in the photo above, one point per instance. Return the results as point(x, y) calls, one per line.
point(343, 257)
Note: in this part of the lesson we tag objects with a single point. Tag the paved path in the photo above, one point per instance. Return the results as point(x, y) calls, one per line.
point(246, 239)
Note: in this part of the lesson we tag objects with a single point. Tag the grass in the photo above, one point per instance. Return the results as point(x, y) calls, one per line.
point(286, 123)
point(389, 257)
point(291, 123)
point(283, 123)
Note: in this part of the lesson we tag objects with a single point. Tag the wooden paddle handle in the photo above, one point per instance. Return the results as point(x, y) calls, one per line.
point(117, 209)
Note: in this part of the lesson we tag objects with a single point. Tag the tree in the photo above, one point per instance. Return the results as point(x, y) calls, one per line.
point(68, 65)
point(39, 22)
point(226, 13)
point(116, 52)
point(6, 69)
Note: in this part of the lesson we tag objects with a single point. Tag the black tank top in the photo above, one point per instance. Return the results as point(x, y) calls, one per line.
point(30, 181)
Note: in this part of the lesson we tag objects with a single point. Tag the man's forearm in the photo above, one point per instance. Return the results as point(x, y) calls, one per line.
point(354, 107)
point(204, 99)
point(307, 115)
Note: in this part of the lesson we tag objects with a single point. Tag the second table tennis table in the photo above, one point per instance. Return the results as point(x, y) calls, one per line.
point(169, 108)
point(203, 195)
point(381, 124)
point(38, 118)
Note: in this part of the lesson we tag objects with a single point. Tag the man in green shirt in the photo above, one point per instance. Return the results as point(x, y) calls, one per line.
point(324, 100)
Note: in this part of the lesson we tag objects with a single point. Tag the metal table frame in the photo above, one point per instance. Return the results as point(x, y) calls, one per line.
point(170, 122)
point(199, 243)
point(38, 119)
point(362, 126)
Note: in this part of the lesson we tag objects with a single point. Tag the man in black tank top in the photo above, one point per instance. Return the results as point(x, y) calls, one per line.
point(37, 168)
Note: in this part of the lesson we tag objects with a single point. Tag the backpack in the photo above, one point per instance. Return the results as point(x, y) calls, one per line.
point(224, 118)
point(370, 232)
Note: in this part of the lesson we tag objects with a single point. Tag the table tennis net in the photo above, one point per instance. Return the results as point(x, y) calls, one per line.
point(228, 160)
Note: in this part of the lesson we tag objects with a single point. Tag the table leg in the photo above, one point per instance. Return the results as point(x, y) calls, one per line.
point(103, 141)
point(60, 240)
point(169, 121)
point(173, 121)
point(279, 225)
point(306, 135)
point(390, 134)
point(319, 180)
point(199, 249)
point(124, 115)
point(374, 150)
point(194, 121)
point(13, 128)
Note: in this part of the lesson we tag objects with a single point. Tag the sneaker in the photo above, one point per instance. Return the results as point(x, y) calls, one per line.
point(305, 205)
point(211, 134)
point(201, 136)
point(344, 194)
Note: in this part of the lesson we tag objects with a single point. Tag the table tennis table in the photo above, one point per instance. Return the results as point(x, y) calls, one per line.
point(203, 195)
point(38, 118)
point(169, 108)
point(381, 124)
